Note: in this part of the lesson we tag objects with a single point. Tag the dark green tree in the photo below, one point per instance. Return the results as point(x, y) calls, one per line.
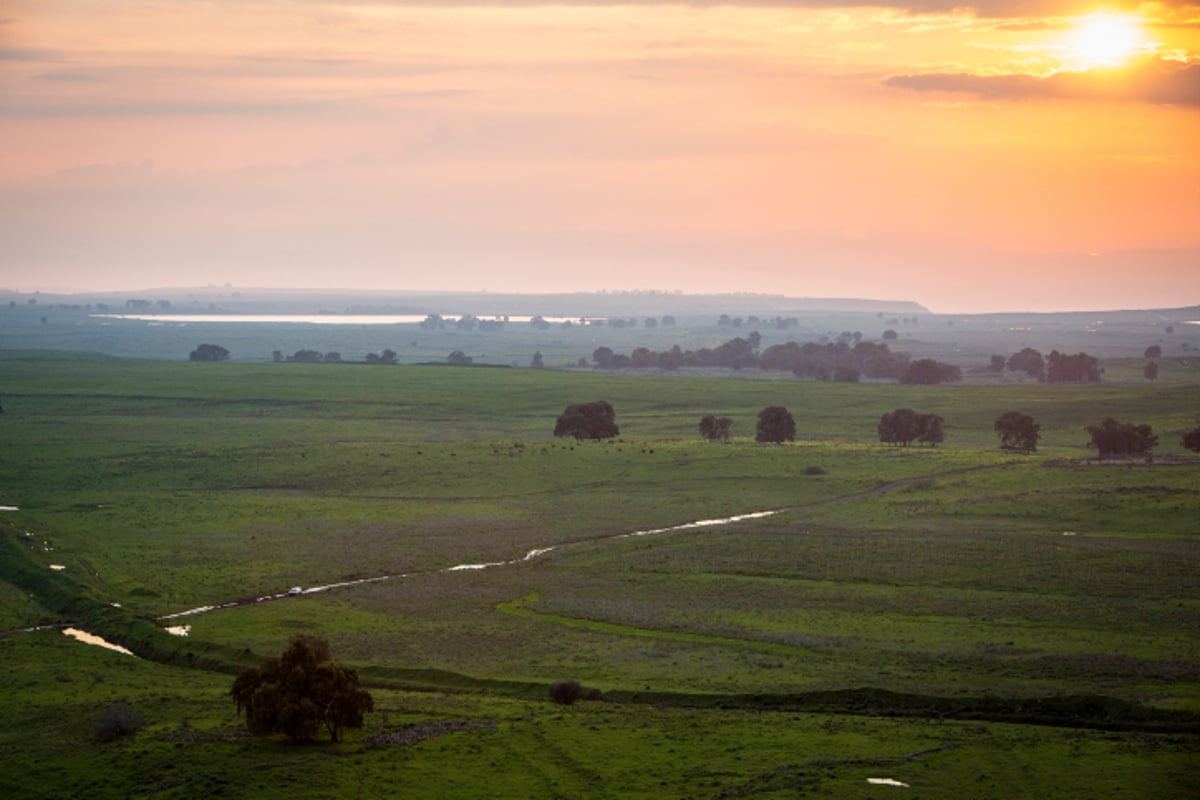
point(775, 424)
point(926, 371)
point(1077, 368)
point(300, 692)
point(459, 358)
point(1029, 361)
point(716, 428)
point(1018, 432)
point(904, 426)
point(209, 352)
point(536, 362)
point(1113, 438)
point(594, 420)
point(1191, 439)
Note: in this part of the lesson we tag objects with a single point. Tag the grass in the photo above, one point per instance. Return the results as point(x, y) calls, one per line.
point(959, 575)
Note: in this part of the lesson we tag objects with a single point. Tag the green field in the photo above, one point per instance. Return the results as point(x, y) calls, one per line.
point(966, 621)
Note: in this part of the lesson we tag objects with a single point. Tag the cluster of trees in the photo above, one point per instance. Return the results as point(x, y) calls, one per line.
point(467, 322)
point(1111, 438)
point(778, 323)
point(716, 429)
point(209, 352)
point(308, 357)
point(1054, 368)
point(300, 692)
point(838, 361)
point(926, 371)
point(904, 426)
point(139, 304)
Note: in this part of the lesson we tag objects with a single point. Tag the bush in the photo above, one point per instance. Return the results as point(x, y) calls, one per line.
point(119, 720)
point(814, 471)
point(565, 692)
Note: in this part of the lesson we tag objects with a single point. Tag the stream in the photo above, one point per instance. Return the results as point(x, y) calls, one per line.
point(529, 556)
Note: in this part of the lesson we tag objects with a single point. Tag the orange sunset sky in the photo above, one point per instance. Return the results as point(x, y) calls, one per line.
point(992, 156)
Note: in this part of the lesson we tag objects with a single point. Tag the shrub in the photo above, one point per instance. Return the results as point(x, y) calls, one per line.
point(814, 470)
point(565, 692)
point(118, 720)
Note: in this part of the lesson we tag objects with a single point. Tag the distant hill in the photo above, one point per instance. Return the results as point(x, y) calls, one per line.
point(592, 304)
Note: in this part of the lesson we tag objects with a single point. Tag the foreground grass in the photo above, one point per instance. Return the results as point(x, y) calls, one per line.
point(469, 745)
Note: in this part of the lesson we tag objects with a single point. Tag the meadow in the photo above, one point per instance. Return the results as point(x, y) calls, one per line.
point(966, 621)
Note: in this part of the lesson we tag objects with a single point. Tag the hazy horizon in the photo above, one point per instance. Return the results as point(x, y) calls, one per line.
point(1002, 157)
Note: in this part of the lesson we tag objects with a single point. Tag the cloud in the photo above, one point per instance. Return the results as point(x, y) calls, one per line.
point(1159, 82)
point(30, 54)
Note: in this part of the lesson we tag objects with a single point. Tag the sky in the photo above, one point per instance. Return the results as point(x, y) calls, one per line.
point(990, 156)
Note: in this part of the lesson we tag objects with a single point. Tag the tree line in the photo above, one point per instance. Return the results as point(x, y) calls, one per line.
point(1018, 432)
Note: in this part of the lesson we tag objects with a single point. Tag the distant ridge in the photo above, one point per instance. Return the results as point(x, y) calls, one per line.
point(563, 304)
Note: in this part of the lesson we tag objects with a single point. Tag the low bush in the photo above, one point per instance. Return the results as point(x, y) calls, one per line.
point(119, 720)
point(565, 692)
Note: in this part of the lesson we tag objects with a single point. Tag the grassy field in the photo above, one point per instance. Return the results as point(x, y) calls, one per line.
point(952, 577)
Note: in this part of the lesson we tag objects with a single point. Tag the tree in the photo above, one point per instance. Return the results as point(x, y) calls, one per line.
point(1114, 438)
point(300, 692)
point(715, 428)
point(1191, 439)
point(1029, 361)
point(996, 364)
point(775, 424)
point(930, 429)
point(890, 334)
point(1077, 368)
point(209, 352)
point(1151, 371)
point(1153, 351)
point(1018, 432)
point(904, 426)
point(305, 356)
point(459, 358)
point(536, 362)
point(594, 420)
point(926, 371)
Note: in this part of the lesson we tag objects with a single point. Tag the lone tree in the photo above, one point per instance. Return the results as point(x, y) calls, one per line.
point(459, 359)
point(1018, 432)
point(715, 428)
point(209, 352)
point(775, 424)
point(1114, 438)
point(594, 420)
point(1191, 439)
point(904, 426)
point(300, 692)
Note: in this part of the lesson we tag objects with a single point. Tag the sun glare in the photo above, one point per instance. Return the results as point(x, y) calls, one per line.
point(1105, 39)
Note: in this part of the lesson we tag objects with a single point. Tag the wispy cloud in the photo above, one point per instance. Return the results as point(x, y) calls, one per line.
point(1161, 82)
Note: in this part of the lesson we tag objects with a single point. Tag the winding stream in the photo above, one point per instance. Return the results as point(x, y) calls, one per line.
point(529, 556)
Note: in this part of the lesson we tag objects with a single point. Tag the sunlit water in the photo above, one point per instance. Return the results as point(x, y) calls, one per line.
point(322, 319)
point(473, 567)
point(88, 638)
point(886, 782)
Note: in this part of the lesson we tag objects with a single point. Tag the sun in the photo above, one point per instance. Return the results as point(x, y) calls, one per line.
point(1104, 39)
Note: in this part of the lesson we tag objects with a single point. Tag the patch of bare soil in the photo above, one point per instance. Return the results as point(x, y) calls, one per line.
point(423, 731)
